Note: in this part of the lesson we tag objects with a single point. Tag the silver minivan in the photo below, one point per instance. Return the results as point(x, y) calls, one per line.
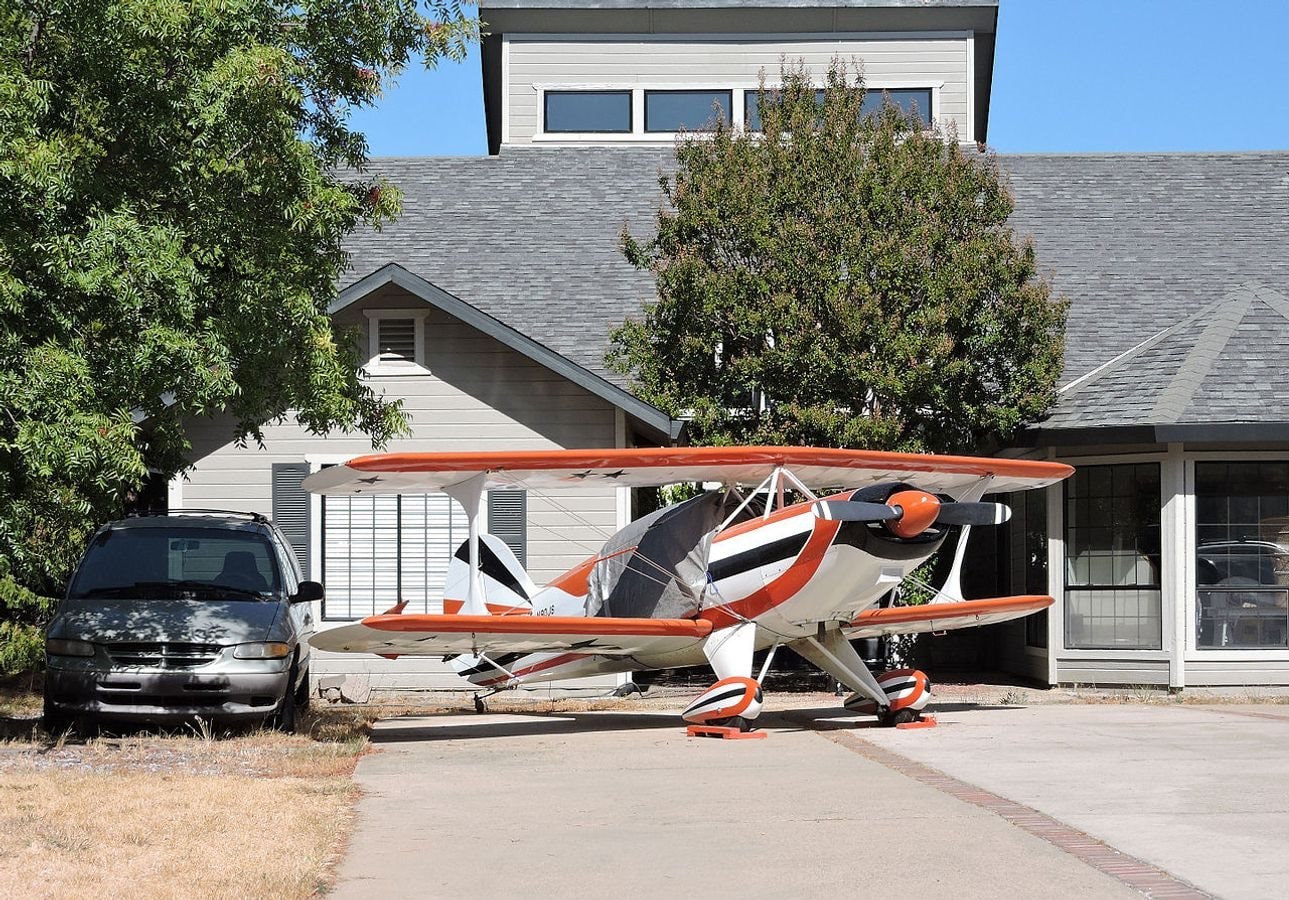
point(171, 618)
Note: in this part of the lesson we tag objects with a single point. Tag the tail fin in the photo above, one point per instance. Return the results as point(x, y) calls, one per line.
point(507, 589)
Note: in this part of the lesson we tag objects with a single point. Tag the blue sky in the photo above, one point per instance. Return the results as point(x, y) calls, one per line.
point(1069, 76)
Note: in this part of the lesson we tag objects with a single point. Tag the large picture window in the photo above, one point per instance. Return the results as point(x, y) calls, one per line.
point(380, 550)
point(1112, 558)
point(1242, 555)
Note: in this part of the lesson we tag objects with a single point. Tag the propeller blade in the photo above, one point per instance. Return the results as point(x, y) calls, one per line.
point(973, 514)
point(855, 511)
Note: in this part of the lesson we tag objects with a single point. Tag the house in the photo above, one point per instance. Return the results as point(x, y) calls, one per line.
point(487, 308)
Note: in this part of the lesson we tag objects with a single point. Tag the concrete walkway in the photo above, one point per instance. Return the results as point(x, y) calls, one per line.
point(624, 805)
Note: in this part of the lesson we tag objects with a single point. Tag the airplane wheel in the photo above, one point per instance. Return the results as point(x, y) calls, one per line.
point(902, 717)
point(480, 705)
point(738, 722)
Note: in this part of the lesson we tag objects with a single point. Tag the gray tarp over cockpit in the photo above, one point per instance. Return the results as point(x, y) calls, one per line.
point(656, 567)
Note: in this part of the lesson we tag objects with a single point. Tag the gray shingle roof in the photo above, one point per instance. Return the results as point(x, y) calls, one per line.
point(1139, 243)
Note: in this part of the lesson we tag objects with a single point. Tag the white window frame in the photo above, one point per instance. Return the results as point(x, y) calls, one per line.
point(1194, 653)
point(738, 93)
point(1056, 572)
point(377, 366)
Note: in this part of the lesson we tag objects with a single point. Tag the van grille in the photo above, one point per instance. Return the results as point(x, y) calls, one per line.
point(164, 656)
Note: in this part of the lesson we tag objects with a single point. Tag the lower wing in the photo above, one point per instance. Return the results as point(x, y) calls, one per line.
point(943, 616)
point(434, 635)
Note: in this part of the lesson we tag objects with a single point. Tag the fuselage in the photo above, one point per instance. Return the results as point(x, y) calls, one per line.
point(787, 572)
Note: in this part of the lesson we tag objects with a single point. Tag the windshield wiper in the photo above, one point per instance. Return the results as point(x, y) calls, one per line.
point(154, 587)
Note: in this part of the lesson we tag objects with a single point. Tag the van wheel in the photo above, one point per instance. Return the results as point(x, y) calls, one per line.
point(284, 719)
point(302, 693)
point(56, 723)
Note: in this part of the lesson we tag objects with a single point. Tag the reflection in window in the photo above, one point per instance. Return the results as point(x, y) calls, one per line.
point(1112, 591)
point(686, 110)
point(907, 99)
point(1242, 554)
point(588, 112)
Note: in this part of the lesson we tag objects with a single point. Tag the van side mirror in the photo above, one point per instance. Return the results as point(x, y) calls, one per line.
point(308, 592)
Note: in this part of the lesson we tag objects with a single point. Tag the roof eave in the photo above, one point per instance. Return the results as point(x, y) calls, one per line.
point(662, 426)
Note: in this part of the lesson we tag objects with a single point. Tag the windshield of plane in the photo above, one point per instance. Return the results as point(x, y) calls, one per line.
point(198, 563)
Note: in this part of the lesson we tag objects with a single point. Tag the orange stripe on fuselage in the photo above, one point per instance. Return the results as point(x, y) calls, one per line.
point(783, 588)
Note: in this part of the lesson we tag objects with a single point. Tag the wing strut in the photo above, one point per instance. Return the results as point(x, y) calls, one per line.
point(470, 493)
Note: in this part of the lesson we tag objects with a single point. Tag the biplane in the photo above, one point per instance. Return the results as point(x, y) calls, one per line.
point(796, 548)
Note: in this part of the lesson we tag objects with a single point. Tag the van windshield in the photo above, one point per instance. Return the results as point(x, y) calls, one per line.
point(163, 563)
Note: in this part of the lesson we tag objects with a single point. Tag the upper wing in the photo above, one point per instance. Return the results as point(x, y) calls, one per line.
point(432, 635)
point(816, 467)
point(943, 616)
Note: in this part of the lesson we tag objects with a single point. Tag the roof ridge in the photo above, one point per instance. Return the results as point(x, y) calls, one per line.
point(1078, 384)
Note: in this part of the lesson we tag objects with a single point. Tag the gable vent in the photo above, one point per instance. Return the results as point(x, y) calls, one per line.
point(397, 340)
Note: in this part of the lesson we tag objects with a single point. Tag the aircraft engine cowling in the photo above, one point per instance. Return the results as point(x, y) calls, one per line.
point(729, 697)
point(905, 689)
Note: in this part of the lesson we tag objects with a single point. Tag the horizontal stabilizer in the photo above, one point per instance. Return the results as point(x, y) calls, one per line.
point(944, 616)
point(441, 635)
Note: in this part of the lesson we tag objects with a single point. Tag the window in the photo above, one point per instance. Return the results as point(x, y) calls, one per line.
point(397, 339)
point(907, 99)
point(1242, 555)
point(686, 110)
point(606, 112)
point(1112, 555)
point(377, 551)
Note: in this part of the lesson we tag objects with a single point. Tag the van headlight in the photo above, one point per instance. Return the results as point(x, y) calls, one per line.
point(61, 647)
point(262, 650)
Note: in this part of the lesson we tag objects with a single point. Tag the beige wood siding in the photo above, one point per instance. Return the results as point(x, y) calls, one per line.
point(624, 62)
point(1123, 672)
point(475, 394)
point(1234, 672)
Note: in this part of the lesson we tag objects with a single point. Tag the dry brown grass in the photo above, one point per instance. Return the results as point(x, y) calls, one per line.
point(64, 835)
point(192, 814)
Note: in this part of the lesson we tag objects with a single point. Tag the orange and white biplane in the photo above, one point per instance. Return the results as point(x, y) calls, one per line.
point(768, 560)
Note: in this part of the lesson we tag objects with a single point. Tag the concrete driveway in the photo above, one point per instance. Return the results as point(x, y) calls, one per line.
point(1199, 791)
point(995, 802)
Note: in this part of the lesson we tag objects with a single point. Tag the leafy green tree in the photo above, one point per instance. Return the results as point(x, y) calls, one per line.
point(177, 178)
point(840, 280)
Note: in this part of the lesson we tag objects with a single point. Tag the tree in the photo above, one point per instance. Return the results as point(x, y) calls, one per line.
point(840, 280)
point(177, 178)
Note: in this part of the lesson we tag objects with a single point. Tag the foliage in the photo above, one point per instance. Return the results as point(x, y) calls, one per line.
point(177, 178)
point(840, 280)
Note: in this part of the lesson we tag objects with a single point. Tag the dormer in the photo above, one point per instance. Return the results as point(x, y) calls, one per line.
point(632, 72)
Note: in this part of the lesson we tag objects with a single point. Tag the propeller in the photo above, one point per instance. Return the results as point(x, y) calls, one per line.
point(908, 513)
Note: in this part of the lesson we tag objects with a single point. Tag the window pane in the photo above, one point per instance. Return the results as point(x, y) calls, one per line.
point(1242, 555)
point(752, 113)
point(907, 99)
point(1112, 556)
point(687, 110)
point(588, 111)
